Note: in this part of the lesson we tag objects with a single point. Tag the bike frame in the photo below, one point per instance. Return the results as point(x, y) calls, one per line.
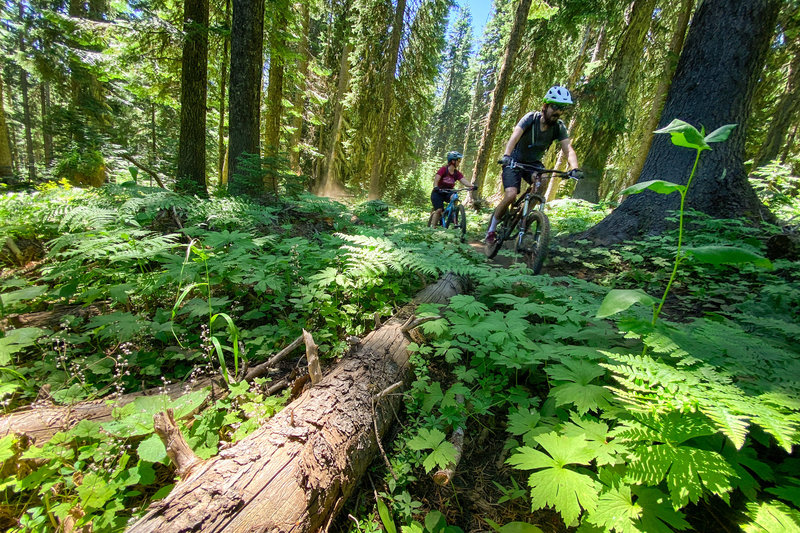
point(447, 214)
point(522, 206)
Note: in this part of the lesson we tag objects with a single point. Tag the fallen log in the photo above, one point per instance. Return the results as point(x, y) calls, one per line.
point(41, 420)
point(296, 472)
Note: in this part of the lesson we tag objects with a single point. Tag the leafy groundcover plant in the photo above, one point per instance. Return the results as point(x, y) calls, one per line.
point(637, 425)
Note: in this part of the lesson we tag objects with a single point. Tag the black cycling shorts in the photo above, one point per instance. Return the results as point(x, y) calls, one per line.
point(512, 177)
point(438, 198)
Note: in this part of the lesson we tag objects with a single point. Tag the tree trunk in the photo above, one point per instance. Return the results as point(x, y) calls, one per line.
point(784, 115)
point(611, 122)
point(478, 87)
point(376, 178)
point(327, 188)
point(275, 90)
point(194, 76)
point(6, 164)
point(667, 70)
point(300, 97)
point(296, 472)
point(247, 42)
point(484, 154)
point(27, 118)
point(47, 135)
point(153, 137)
point(720, 187)
point(223, 80)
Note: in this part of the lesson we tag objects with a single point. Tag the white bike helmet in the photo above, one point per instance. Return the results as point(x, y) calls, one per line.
point(558, 95)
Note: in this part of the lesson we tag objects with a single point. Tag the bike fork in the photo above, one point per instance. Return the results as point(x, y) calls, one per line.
point(522, 222)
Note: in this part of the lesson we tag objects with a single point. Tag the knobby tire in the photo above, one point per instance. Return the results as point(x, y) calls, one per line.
point(536, 246)
point(460, 222)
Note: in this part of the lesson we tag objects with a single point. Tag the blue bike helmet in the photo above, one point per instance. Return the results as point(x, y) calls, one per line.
point(452, 156)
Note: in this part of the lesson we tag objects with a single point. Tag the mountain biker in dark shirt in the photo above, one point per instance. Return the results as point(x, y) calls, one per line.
point(532, 135)
point(443, 182)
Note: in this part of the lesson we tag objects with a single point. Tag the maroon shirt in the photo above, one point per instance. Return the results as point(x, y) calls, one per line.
point(448, 181)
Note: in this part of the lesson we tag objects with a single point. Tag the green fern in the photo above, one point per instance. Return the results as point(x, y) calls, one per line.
point(660, 452)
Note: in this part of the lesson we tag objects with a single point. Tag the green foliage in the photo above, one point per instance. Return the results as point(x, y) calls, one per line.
point(566, 489)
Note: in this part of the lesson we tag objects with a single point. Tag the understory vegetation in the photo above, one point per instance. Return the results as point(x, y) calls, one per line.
point(622, 423)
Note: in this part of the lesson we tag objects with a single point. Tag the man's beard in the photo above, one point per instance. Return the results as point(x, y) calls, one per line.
point(552, 120)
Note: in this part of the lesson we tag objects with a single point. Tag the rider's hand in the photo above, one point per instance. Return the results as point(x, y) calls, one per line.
point(575, 173)
point(473, 187)
point(505, 160)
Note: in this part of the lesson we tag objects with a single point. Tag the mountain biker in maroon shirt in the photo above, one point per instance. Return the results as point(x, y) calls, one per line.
point(443, 183)
point(532, 135)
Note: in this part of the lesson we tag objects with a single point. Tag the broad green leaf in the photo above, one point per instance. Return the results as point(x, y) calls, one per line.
point(17, 340)
point(443, 455)
point(386, 517)
point(94, 492)
point(727, 255)
point(566, 490)
point(435, 521)
point(27, 293)
point(573, 379)
point(616, 511)
point(720, 134)
point(415, 527)
point(152, 450)
point(619, 300)
point(522, 421)
point(513, 527)
point(684, 134)
point(658, 186)
point(7, 447)
point(608, 451)
point(658, 515)
point(86, 429)
point(426, 439)
point(469, 305)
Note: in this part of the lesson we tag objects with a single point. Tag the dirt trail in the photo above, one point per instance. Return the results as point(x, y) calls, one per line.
point(500, 259)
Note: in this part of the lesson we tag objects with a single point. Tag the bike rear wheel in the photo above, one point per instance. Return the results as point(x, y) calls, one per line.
point(460, 222)
point(535, 241)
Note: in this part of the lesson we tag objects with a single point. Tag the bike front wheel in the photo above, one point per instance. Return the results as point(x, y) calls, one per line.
point(460, 222)
point(534, 242)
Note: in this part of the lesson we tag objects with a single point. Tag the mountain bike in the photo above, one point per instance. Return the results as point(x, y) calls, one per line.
point(526, 222)
point(454, 215)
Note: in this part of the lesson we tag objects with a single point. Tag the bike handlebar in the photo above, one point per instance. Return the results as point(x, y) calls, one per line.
point(439, 189)
point(542, 170)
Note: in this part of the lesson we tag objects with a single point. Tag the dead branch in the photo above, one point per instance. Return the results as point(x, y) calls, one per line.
point(312, 356)
point(178, 450)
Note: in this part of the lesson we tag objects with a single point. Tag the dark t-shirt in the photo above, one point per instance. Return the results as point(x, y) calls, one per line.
point(533, 143)
point(448, 180)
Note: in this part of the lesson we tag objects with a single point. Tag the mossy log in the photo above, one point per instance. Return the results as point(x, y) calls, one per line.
point(296, 472)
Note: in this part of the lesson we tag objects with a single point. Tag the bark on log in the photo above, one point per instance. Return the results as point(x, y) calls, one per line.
point(296, 472)
point(40, 422)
